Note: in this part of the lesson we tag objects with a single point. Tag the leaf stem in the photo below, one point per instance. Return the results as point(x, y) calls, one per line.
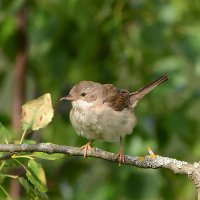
point(23, 134)
point(21, 164)
point(23, 156)
point(9, 176)
point(2, 165)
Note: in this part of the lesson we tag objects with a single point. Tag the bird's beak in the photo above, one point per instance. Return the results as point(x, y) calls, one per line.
point(68, 97)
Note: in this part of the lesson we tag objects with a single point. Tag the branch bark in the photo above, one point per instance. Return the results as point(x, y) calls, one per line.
point(192, 170)
point(177, 166)
point(180, 167)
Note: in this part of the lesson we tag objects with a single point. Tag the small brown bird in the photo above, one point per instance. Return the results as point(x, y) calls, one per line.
point(103, 112)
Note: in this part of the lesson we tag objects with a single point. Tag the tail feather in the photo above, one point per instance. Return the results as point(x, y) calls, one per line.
point(136, 96)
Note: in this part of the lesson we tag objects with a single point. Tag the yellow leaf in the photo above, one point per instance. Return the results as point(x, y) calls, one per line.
point(37, 113)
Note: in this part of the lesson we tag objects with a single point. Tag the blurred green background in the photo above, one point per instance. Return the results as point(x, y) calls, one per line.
point(125, 42)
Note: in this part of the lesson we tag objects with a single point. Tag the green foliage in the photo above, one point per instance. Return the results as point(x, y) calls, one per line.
point(31, 191)
point(4, 134)
point(46, 156)
point(124, 42)
point(36, 176)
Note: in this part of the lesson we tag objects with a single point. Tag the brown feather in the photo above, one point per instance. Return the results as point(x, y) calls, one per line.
point(118, 99)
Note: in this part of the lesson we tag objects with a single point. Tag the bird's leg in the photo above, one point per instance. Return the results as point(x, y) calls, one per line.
point(120, 155)
point(86, 147)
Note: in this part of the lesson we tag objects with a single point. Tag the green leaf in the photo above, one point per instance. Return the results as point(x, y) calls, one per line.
point(24, 183)
point(46, 156)
point(36, 175)
point(37, 113)
point(4, 134)
point(4, 194)
point(28, 141)
point(31, 192)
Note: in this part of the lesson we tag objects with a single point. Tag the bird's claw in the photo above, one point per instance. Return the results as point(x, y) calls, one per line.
point(85, 148)
point(120, 157)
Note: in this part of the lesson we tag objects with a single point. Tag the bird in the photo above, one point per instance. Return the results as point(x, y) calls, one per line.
point(105, 113)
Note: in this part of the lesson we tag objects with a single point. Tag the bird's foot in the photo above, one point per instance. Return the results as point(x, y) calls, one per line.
point(120, 157)
point(151, 153)
point(85, 148)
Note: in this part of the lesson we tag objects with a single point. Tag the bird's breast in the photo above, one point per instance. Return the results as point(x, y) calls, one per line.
point(101, 122)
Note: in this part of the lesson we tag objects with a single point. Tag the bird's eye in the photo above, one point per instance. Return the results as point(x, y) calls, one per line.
point(83, 94)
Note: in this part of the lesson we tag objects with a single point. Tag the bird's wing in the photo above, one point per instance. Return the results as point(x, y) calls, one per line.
point(118, 99)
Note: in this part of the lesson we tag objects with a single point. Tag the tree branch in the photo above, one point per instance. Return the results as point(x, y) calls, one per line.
point(180, 167)
point(192, 170)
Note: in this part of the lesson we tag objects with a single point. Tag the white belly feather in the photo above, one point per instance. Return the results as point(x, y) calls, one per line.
point(100, 122)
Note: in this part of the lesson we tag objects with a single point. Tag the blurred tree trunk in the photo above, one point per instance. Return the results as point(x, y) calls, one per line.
point(19, 82)
point(20, 67)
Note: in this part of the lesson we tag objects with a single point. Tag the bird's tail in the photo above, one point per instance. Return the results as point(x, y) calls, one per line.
point(136, 96)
